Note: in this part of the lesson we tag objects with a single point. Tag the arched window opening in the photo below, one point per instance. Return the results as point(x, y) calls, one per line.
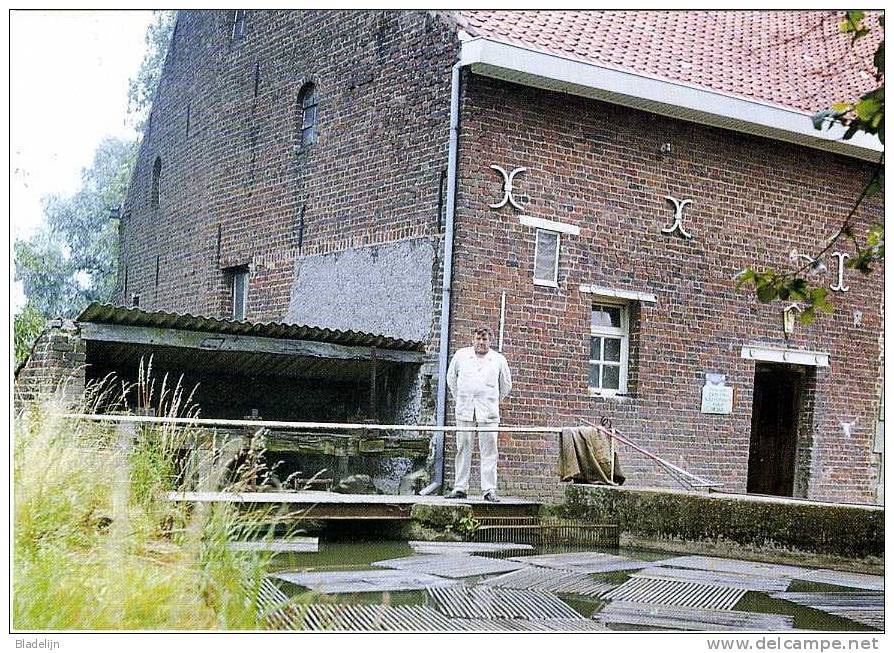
point(238, 24)
point(307, 101)
point(156, 181)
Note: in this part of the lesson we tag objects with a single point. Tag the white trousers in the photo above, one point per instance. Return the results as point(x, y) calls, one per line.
point(487, 448)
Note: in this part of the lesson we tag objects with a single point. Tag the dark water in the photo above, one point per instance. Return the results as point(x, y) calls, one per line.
point(359, 554)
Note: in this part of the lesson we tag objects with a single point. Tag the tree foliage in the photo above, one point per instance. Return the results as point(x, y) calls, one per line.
point(28, 325)
point(866, 114)
point(73, 259)
point(141, 89)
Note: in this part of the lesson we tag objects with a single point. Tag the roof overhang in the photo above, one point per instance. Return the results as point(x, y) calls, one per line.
point(122, 337)
point(514, 63)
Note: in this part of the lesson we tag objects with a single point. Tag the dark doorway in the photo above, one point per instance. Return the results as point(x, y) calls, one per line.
point(778, 391)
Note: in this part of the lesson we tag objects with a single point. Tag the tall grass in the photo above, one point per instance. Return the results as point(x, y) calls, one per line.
point(96, 545)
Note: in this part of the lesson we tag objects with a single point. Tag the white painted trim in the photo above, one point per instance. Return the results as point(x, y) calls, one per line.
point(782, 355)
point(549, 225)
point(620, 294)
point(545, 70)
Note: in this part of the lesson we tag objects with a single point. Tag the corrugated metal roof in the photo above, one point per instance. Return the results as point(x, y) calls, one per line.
point(110, 314)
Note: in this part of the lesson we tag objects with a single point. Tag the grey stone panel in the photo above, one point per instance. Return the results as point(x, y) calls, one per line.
point(383, 289)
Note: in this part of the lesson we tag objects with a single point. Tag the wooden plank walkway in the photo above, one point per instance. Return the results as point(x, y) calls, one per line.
point(655, 591)
point(451, 566)
point(480, 602)
point(544, 579)
point(586, 563)
point(350, 582)
point(683, 618)
point(334, 505)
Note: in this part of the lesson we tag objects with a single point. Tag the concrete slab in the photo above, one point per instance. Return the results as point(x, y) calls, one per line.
point(467, 547)
point(350, 582)
point(585, 562)
point(291, 545)
point(451, 566)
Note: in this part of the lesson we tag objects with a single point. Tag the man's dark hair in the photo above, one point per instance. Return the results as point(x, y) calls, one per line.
point(482, 330)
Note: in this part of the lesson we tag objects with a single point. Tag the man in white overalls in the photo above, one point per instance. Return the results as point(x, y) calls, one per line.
point(478, 378)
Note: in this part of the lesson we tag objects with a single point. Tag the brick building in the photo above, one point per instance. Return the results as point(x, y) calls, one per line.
point(586, 183)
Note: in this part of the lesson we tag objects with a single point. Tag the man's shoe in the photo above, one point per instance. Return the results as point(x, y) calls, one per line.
point(456, 494)
point(491, 495)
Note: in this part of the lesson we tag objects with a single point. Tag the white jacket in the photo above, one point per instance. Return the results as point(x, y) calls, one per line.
point(478, 384)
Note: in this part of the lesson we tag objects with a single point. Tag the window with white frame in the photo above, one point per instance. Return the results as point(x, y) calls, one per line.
point(546, 258)
point(609, 347)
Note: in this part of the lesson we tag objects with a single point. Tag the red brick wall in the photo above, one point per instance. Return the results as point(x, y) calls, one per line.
point(600, 167)
point(234, 189)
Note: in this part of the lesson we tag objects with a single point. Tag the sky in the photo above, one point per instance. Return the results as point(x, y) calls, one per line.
point(68, 89)
point(69, 73)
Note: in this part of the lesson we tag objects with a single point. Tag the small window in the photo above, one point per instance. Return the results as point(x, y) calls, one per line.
point(609, 348)
point(546, 258)
point(307, 103)
point(156, 183)
point(238, 24)
point(238, 292)
point(135, 300)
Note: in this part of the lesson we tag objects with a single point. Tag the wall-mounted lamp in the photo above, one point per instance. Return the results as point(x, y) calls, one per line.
point(815, 263)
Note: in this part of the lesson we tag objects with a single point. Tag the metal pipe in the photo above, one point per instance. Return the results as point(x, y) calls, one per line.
point(446, 284)
point(502, 319)
point(276, 424)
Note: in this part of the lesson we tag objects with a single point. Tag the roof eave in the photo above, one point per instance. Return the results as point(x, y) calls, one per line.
point(530, 67)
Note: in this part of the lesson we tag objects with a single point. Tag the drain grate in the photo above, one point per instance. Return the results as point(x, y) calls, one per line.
point(497, 603)
point(547, 532)
point(372, 618)
point(273, 608)
point(722, 578)
point(550, 580)
point(864, 607)
point(684, 618)
point(527, 625)
point(673, 592)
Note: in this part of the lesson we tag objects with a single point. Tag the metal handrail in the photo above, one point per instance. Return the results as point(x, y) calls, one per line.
point(686, 479)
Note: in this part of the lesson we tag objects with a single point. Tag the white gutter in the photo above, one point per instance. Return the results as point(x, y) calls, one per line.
point(543, 70)
point(446, 285)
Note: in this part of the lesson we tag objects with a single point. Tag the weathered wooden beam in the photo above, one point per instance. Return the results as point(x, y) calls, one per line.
point(207, 341)
point(333, 444)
